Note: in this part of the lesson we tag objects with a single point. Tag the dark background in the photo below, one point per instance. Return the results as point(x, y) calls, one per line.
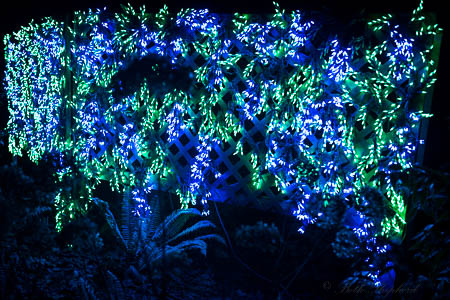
point(16, 13)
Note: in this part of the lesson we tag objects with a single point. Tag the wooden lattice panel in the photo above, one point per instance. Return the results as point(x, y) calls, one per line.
point(289, 111)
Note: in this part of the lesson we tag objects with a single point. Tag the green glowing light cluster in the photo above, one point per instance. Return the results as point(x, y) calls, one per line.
point(334, 117)
point(34, 84)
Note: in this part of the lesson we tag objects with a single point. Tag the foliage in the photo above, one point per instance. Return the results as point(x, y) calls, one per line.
point(337, 121)
point(321, 115)
point(170, 246)
point(417, 264)
point(85, 260)
point(260, 237)
point(91, 259)
point(423, 262)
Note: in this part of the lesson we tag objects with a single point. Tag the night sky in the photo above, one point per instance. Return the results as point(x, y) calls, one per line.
point(15, 13)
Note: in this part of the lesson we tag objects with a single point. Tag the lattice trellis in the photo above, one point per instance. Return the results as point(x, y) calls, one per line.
point(223, 107)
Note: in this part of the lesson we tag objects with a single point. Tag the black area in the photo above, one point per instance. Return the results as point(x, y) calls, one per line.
point(243, 171)
point(156, 125)
point(241, 193)
point(373, 114)
point(165, 78)
point(199, 60)
point(236, 114)
point(197, 86)
point(274, 190)
point(186, 117)
point(129, 155)
point(289, 68)
point(213, 154)
point(262, 195)
point(225, 146)
point(121, 120)
point(369, 168)
point(231, 180)
point(164, 136)
point(182, 161)
point(174, 149)
point(193, 152)
point(136, 164)
point(233, 158)
point(387, 126)
point(242, 63)
point(103, 191)
point(216, 109)
point(392, 97)
point(241, 86)
point(307, 142)
point(210, 177)
point(350, 109)
point(437, 143)
point(261, 115)
point(258, 137)
point(237, 137)
point(246, 148)
point(184, 139)
point(248, 125)
point(318, 134)
point(359, 125)
point(222, 168)
point(329, 147)
point(97, 150)
point(382, 58)
point(150, 45)
point(227, 98)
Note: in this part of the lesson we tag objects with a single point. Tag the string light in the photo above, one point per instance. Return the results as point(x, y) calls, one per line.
point(322, 136)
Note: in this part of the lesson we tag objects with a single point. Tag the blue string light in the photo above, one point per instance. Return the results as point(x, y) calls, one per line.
point(310, 99)
point(401, 55)
point(199, 168)
point(175, 126)
point(339, 67)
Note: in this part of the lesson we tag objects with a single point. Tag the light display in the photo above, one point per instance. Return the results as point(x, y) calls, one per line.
point(157, 101)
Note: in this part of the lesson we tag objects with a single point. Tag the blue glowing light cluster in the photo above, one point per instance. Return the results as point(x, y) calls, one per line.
point(401, 55)
point(201, 166)
point(33, 87)
point(324, 120)
point(176, 126)
point(339, 62)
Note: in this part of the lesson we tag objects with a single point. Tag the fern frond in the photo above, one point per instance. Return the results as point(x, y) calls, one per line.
point(128, 219)
point(109, 217)
point(199, 245)
point(134, 275)
point(212, 236)
point(189, 245)
point(114, 286)
point(175, 222)
point(37, 212)
point(155, 216)
point(146, 255)
point(86, 288)
point(194, 229)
